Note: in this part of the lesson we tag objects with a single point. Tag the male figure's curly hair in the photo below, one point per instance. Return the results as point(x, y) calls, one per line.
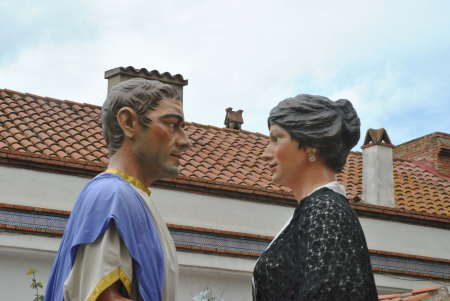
point(333, 127)
point(139, 94)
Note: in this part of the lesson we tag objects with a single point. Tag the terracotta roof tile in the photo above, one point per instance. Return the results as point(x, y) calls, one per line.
point(65, 129)
point(437, 292)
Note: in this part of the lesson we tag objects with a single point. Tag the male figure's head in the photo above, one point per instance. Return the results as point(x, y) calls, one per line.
point(143, 124)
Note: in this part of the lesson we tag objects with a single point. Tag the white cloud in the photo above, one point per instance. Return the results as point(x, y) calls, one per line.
point(245, 54)
point(390, 96)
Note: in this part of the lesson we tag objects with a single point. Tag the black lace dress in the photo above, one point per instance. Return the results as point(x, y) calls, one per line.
point(321, 255)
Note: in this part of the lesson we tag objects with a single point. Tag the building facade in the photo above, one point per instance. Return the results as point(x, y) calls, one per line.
point(222, 211)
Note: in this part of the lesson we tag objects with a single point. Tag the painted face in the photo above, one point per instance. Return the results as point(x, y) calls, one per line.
point(286, 161)
point(159, 146)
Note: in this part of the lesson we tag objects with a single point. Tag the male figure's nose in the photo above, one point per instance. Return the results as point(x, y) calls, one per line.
point(184, 141)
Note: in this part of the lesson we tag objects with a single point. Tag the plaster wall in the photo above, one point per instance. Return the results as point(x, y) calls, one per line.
point(197, 272)
point(378, 176)
point(39, 244)
point(39, 189)
point(220, 213)
point(232, 286)
point(14, 265)
point(54, 191)
point(16, 262)
point(42, 189)
point(19, 253)
point(406, 238)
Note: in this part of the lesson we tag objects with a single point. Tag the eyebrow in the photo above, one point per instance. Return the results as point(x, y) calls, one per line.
point(273, 133)
point(177, 116)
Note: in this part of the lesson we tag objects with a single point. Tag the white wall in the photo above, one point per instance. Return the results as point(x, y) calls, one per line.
point(19, 252)
point(221, 274)
point(39, 189)
point(15, 285)
point(234, 286)
point(43, 189)
point(55, 191)
point(229, 275)
point(14, 265)
point(406, 238)
point(206, 211)
point(29, 242)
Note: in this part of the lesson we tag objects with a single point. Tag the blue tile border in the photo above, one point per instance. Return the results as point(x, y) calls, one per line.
point(205, 240)
point(223, 242)
point(33, 220)
point(410, 265)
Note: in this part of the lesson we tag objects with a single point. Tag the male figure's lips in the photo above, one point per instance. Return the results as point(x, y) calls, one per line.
point(178, 156)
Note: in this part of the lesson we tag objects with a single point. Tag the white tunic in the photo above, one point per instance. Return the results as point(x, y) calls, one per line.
point(107, 259)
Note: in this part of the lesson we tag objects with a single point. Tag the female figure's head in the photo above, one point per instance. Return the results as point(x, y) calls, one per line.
point(306, 127)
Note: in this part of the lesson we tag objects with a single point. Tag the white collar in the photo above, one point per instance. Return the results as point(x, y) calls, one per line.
point(335, 186)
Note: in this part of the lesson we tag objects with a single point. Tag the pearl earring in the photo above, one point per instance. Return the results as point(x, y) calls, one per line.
point(311, 156)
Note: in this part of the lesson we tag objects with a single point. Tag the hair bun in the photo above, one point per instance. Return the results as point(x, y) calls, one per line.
point(350, 122)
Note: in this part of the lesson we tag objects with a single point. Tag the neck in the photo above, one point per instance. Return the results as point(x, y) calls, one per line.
point(316, 177)
point(125, 160)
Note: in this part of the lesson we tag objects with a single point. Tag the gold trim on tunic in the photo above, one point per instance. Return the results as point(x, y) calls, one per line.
point(133, 181)
point(108, 280)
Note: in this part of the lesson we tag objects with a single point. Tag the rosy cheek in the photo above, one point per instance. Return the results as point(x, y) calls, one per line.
point(280, 152)
point(160, 133)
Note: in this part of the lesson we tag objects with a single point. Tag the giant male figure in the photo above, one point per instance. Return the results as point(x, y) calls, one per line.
point(116, 246)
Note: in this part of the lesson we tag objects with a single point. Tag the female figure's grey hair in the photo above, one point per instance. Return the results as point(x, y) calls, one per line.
point(139, 94)
point(333, 127)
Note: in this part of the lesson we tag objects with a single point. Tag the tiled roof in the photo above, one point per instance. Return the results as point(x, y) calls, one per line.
point(414, 187)
point(430, 293)
point(45, 126)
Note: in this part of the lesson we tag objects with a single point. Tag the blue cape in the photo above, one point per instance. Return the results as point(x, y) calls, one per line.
point(109, 197)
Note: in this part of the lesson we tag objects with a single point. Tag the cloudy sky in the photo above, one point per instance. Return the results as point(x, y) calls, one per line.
point(391, 59)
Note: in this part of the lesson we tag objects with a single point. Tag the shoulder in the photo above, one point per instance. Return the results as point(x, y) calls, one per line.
point(107, 180)
point(326, 206)
point(326, 200)
point(107, 183)
point(106, 190)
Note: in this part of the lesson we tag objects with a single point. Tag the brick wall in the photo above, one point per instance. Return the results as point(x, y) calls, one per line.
point(443, 164)
point(434, 148)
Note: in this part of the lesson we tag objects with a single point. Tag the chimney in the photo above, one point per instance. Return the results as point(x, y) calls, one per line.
point(378, 169)
point(233, 120)
point(120, 74)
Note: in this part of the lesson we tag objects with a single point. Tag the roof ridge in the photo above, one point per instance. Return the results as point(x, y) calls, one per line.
point(226, 129)
point(434, 134)
point(433, 172)
point(66, 101)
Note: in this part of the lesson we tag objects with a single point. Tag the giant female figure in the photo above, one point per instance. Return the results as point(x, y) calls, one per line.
point(321, 253)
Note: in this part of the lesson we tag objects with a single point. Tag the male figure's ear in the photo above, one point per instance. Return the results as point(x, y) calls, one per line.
point(128, 121)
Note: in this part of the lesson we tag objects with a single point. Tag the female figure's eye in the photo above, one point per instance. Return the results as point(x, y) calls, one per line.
point(277, 138)
point(172, 125)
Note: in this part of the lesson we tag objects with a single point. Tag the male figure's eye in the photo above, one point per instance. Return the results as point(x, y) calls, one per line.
point(172, 125)
point(277, 138)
